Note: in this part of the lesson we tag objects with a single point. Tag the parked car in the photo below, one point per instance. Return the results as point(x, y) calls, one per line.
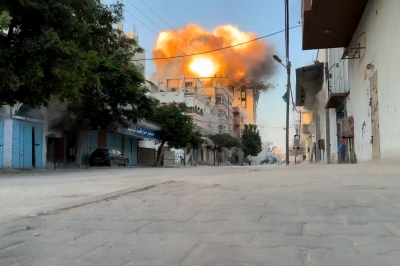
point(108, 156)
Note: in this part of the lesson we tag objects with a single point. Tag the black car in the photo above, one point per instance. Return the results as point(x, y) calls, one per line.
point(108, 156)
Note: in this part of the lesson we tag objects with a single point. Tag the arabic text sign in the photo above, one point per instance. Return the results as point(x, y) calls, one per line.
point(140, 132)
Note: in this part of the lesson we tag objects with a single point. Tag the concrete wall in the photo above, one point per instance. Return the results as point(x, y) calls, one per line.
point(7, 148)
point(376, 31)
point(169, 97)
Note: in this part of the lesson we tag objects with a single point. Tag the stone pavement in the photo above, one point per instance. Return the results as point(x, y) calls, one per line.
point(28, 192)
point(300, 215)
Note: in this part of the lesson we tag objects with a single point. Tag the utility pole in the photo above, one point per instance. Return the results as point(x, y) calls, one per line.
point(287, 112)
point(287, 66)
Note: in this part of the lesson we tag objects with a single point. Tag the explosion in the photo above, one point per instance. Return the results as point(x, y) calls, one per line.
point(203, 67)
point(246, 63)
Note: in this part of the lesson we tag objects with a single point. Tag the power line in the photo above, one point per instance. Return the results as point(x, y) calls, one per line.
point(294, 106)
point(219, 49)
point(169, 25)
point(149, 29)
point(150, 19)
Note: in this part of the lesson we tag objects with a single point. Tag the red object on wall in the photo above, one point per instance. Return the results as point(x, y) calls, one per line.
point(346, 126)
point(351, 125)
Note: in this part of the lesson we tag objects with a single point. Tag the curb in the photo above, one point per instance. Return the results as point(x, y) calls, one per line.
point(81, 202)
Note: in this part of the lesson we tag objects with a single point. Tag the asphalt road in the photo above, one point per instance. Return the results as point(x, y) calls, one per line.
point(296, 215)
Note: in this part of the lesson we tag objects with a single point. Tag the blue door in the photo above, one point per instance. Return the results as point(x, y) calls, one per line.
point(89, 144)
point(131, 150)
point(114, 141)
point(27, 146)
point(1, 142)
point(16, 147)
point(38, 146)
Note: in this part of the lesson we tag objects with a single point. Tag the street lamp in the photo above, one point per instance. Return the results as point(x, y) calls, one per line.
point(277, 59)
point(288, 66)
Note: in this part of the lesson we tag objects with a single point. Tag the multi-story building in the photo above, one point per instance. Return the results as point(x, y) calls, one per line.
point(238, 121)
point(358, 55)
point(210, 108)
point(189, 91)
point(139, 58)
point(243, 97)
point(222, 100)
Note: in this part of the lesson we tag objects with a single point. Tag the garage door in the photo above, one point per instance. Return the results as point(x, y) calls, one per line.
point(27, 145)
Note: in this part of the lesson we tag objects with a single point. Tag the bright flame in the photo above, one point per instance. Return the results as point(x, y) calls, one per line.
point(250, 62)
point(162, 37)
point(232, 36)
point(203, 67)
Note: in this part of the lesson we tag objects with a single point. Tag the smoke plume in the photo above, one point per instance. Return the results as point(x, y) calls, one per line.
point(247, 63)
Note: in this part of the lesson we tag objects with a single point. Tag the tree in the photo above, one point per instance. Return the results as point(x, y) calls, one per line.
point(119, 101)
point(196, 141)
point(251, 141)
point(176, 127)
point(5, 20)
point(52, 47)
point(224, 140)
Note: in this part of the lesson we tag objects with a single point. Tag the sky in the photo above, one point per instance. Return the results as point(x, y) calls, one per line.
point(261, 17)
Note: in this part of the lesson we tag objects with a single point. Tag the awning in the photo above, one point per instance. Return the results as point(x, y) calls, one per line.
point(329, 24)
point(309, 81)
point(335, 100)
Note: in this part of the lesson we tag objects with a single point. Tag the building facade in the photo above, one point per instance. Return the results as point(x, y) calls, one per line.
point(23, 132)
point(358, 50)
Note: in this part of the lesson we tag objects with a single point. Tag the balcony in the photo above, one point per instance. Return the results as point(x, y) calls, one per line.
point(221, 92)
point(236, 122)
point(221, 102)
point(236, 109)
point(223, 118)
point(192, 111)
point(330, 24)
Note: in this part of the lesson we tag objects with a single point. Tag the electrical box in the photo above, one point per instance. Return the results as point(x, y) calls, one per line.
point(346, 127)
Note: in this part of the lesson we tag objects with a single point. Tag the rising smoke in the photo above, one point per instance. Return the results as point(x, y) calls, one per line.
point(247, 63)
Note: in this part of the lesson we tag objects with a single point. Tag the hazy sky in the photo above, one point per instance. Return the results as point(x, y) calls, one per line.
point(262, 17)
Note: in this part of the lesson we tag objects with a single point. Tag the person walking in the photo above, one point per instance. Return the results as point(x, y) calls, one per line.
point(342, 150)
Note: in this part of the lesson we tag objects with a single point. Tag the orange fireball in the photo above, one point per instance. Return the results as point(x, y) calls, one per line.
point(250, 62)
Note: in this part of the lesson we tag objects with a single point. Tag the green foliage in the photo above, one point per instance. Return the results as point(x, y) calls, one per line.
point(195, 140)
point(224, 140)
point(53, 48)
point(119, 100)
point(5, 20)
point(176, 126)
point(251, 141)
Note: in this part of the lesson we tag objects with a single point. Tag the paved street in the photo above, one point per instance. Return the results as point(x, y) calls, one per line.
point(296, 215)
